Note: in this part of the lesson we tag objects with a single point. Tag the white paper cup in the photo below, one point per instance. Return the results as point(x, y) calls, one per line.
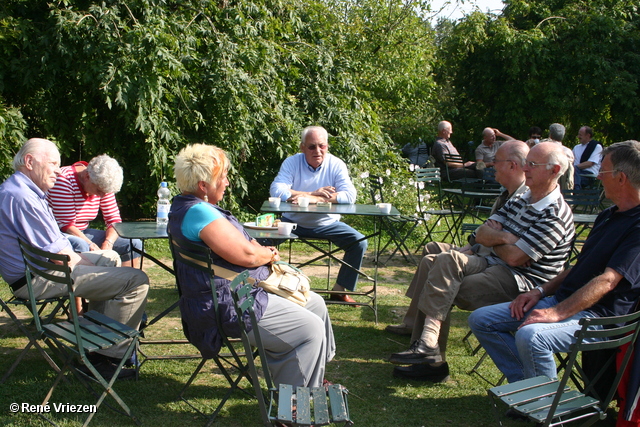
point(285, 228)
point(385, 208)
point(274, 202)
point(303, 202)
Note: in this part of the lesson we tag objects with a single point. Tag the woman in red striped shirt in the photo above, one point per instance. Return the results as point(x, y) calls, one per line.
point(81, 190)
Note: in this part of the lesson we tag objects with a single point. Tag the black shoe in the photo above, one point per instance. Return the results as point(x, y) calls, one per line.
point(516, 416)
point(419, 353)
point(434, 374)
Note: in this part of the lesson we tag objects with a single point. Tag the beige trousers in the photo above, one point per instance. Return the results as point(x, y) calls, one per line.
point(446, 278)
point(117, 292)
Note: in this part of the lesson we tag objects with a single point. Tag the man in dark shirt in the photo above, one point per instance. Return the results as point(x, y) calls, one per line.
point(604, 282)
point(443, 146)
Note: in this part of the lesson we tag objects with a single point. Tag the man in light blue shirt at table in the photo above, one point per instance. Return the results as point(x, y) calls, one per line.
point(322, 177)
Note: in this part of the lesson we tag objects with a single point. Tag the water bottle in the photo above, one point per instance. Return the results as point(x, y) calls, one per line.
point(162, 215)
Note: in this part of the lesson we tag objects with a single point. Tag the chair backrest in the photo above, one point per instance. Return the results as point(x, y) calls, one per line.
point(375, 189)
point(49, 266)
point(198, 257)
point(428, 177)
point(456, 158)
point(243, 303)
point(585, 201)
point(451, 158)
point(616, 332)
point(191, 254)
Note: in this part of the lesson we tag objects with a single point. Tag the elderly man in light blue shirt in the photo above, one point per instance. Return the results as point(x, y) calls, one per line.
point(322, 177)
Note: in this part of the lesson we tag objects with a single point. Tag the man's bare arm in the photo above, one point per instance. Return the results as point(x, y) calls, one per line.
point(582, 299)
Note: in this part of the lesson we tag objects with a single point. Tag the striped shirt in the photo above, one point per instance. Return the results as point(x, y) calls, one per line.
point(545, 229)
point(73, 207)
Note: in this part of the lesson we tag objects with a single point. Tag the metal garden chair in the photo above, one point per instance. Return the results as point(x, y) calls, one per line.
point(296, 406)
point(398, 228)
point(199, 257)
point(551, 401)
point(73, 340)
point(47, 311)
point(430, 179)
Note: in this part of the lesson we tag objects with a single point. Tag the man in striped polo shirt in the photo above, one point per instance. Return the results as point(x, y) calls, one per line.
point(530, 237)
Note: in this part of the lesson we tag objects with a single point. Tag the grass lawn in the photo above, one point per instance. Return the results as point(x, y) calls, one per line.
point(376, 398)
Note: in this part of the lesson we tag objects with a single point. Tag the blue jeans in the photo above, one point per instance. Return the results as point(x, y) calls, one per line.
point(345, 238)
point(526, 352)
point(121, 246)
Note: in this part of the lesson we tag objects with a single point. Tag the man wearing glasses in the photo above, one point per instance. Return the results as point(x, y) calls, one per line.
point(530, 239)
point(316, 174)
point(522, 336)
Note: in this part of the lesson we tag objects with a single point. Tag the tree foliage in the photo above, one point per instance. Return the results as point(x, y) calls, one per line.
point(545, 61)
point(140, 79)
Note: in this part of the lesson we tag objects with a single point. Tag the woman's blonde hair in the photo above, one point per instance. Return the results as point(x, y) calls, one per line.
point(199, 162)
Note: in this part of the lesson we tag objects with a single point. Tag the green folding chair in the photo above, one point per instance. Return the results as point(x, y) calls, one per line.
point(199, 257)
point(48, 309)
point(431, 207)
point(552, 402)
point(398, 228)
point(73, 340)
point(295, 406)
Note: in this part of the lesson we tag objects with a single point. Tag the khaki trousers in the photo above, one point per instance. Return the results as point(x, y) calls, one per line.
point(446, 278)
point(117, 292)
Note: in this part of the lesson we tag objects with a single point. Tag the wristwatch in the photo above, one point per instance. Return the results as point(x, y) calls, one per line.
point(541, 289)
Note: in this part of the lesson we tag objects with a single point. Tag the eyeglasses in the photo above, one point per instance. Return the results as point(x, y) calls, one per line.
point(611, 171)
point(535, 165)
point(314, 146)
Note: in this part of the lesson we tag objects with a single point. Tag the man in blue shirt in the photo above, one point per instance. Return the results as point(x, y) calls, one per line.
point(321, 177)
point(119, 293)
point(522, 336)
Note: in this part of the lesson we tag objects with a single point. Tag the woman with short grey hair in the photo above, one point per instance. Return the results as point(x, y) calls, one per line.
point(83, 189)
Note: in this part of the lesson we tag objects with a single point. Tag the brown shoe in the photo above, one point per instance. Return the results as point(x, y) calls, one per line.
point(400, 329)
point(343, 298)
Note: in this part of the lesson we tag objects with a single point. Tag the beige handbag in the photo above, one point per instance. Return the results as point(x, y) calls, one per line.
point(285, 280)
point(288, 282)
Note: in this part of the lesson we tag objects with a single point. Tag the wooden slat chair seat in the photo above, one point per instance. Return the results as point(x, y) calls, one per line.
point(299, 406)
point(551, 401)
point(199, 257)
point(72, 340)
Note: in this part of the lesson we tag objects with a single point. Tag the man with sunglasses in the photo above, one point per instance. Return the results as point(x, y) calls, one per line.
point(316, 174)
point(530, 239)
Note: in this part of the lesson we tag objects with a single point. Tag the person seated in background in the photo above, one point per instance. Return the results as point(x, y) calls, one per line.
point(322, 177)
point(509, 161)
point(80, 191)
point(119, 293)
point(443, 146)
point(417, 154)
point(556, 135)
point(486, 151)
point(522, 336)
point(535, 133)
point(530, 237)
point(298, 340)
point(586, 161)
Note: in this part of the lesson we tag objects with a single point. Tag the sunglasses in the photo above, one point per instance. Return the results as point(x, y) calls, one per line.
point(314, 146)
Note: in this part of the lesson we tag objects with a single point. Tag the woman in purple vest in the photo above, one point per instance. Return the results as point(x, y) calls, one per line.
point(298, 340)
